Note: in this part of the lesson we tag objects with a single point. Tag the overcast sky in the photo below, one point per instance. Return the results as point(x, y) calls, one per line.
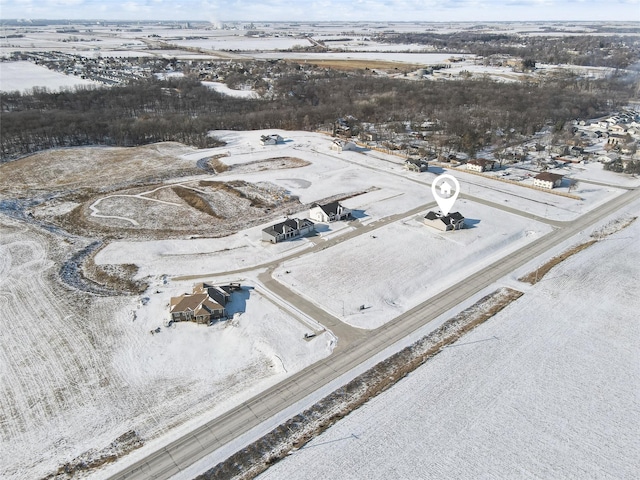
point(324, 10)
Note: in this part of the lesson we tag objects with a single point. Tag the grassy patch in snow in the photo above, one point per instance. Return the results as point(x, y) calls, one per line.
point(297, 431)
point(537, 275)
point(92, 459)
point(194, 200)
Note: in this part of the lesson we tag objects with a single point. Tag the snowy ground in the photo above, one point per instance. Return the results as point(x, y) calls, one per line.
point(405, 263)
point(548, 388)
point(593, 172)
point(77, 371)
point(361, 271)
point(222, 88)
point(24, 76)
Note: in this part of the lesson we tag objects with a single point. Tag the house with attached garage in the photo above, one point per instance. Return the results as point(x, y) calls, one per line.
point(547, 180)
point(195, 307)
point(416, 165)
point(273, 139)
point(453, 221)
point(329, 212)
point(290, 228)
point(219, 293)
point(480, 165)
point(342, 145)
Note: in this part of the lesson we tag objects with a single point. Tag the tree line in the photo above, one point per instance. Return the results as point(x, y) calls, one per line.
point(615, 51)
point(471, 112)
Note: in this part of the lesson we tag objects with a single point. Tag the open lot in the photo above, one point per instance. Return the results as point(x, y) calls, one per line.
point(404, 263)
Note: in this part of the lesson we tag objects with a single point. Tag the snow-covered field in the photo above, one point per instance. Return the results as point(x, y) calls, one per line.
point(593, 172)
point(548, 388)
point(244, 43)
point(77, 371)
point(24, 76)
point(412, 58)
point(222, 88)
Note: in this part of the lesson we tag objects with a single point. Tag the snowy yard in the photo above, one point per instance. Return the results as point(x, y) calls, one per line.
point(548, 388)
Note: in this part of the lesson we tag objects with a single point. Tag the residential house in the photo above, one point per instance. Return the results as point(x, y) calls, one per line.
point(368, 136)
point(547, 180)
point(272, 139)
point(329, 212)
point(341, 145)
point(453, 221)
point(290, 228)
point(576, 151)
point(618, 129)
point(342, 127)
point(219, 293)
point(416, 165)
point(480, 165)
point(616, 139)
point(195, 307)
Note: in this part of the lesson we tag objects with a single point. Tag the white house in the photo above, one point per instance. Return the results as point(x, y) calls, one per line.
point(290, 228)
point(341, 145)
point(480, 165)
point(329, 212)
point(416, 165)
point(453, 221)
point(547, 180)
point(617, 128)
point(272, 139)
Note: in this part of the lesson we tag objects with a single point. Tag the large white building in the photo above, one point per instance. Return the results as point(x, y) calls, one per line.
point(329, 212)
point(547, 180)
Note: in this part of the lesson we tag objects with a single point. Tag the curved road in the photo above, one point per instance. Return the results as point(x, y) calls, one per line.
point(185, 451)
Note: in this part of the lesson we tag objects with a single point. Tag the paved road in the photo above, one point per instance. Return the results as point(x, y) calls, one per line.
point(192, 447)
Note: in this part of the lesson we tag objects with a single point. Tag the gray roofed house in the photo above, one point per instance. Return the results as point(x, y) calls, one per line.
point(416, 164)
point(329, 212)
point(219, 293)
point(453, 221)
point(272, 139)
point(290, 228)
